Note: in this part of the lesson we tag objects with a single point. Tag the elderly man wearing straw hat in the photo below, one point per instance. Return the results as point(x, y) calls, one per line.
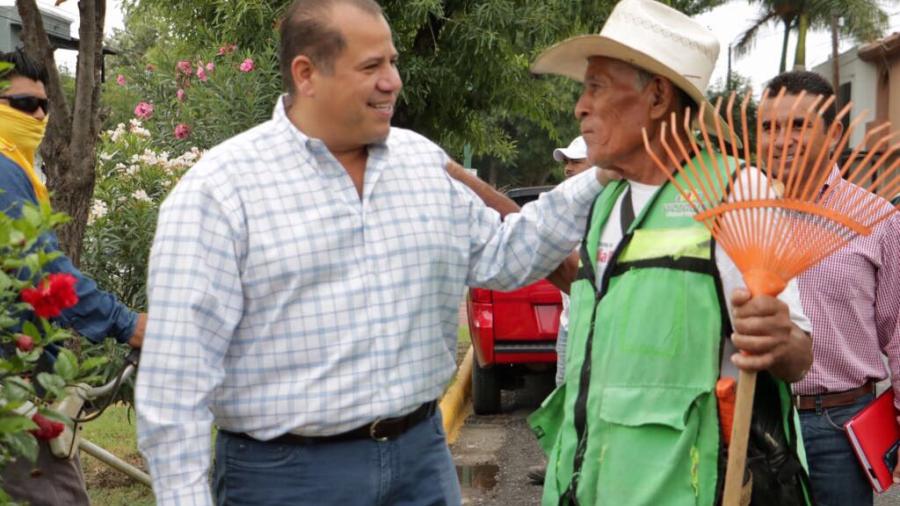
point(658, 310)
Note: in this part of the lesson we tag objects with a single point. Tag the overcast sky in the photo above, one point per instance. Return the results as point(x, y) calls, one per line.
point(727, 22)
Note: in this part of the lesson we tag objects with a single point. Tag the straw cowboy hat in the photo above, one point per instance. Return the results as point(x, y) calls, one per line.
point(648, 35)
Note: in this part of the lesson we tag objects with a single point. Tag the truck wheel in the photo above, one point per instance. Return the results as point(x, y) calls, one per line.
point(485, 390)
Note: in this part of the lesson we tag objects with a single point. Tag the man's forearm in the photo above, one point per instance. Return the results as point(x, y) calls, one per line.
point(565, 274)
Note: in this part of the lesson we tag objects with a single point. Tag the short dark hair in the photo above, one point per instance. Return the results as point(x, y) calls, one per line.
point(796, 81)
point(24, 66)
point(306, 29)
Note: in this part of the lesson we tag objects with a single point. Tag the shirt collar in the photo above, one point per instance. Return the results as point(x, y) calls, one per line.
point(280, 117)
point(833, 177)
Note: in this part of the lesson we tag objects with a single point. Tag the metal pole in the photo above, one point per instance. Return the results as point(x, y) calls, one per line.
point(114, 462)
point(728, 75)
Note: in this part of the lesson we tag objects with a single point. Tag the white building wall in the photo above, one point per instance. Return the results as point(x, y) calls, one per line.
point(863, 78)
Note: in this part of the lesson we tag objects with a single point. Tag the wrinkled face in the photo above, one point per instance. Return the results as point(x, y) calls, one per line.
point(574, 167)
point(22, 87)
point(612, 110)
point(358, 97)
point(777, 120)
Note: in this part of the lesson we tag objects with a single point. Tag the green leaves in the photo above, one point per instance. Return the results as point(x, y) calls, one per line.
point(864, 20)
point(17, 389)
point(52, 383)
point(464, 64)
point(66, 365)
point(22, 262)
point(20, 443)
point(15, 423)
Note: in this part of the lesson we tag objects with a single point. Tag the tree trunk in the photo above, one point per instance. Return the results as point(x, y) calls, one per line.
point(835, 62)
point(784, 44)
point(69, 148)
point(800, 53)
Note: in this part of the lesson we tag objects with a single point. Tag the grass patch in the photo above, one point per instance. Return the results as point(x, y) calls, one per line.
point(463, 337)
point(116, 432)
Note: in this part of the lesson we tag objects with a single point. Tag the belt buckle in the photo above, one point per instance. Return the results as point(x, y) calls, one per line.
point(373, 428)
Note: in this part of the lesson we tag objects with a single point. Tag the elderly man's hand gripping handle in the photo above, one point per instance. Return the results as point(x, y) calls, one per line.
point(769, 340)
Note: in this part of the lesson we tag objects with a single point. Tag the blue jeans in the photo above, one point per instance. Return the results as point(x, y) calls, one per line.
point(836, 475)
point(414, 469)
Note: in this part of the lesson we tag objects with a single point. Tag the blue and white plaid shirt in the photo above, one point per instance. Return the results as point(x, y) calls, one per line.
point(281, 302)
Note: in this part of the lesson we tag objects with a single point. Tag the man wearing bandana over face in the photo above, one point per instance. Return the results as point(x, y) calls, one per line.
point(97, 315)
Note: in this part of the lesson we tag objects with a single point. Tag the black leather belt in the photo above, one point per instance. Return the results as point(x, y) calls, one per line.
point(382, 429)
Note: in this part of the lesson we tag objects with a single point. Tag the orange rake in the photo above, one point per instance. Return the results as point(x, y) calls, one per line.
point(774, 224)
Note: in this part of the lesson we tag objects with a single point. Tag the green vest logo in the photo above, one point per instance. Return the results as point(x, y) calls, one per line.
point(679, 208)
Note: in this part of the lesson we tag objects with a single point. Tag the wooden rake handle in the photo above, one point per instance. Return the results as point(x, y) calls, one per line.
point(740, 434)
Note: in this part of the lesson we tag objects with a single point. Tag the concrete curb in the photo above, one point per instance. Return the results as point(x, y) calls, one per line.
point(455, 406)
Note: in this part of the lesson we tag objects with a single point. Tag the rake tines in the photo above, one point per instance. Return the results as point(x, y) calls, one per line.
point(776, 223)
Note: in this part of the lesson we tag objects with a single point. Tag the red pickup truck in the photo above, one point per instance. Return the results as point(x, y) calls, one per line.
point(512, 332)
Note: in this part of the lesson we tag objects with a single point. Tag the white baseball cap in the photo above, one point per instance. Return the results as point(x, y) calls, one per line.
point(577, 150)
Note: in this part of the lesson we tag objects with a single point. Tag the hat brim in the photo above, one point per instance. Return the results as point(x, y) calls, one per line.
point(569, 58)
point(562, 154)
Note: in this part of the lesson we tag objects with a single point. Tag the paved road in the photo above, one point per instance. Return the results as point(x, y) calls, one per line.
point(493, 453)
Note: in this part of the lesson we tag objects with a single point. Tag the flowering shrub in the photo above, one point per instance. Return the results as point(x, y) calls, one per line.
point(199, 100)
point(133, 178)
point(27, 392)
point(143, 110)
point(166, 112)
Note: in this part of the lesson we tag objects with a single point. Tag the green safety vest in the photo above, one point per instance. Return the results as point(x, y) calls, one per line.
point(636, 421)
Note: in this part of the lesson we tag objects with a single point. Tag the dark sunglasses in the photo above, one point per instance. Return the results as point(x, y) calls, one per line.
point(26, 103)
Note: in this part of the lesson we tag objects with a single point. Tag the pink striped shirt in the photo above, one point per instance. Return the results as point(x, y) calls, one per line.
point(853, 300)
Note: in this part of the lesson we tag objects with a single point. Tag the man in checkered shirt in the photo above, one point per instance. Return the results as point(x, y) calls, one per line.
point(304, 284)
point(853, 301)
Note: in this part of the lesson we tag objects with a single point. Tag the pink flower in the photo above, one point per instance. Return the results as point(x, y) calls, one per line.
point(180, 95)
point(143, 110)
point(247, 65)
point(185, 67)
point(226, 49)
point(120, 80)
point(201, 74)
point(182, 131)
point(210, 67)
point(24, 343)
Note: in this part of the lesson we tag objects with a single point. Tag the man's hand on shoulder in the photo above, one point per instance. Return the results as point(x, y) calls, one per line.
point(764, 330)
point(487, 193)
point(137, 338)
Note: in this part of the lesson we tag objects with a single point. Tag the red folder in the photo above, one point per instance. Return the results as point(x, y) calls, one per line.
point(875, 438)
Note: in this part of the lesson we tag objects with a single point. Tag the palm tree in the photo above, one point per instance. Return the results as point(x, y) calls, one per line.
point(864, 20)
point(785, 12)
